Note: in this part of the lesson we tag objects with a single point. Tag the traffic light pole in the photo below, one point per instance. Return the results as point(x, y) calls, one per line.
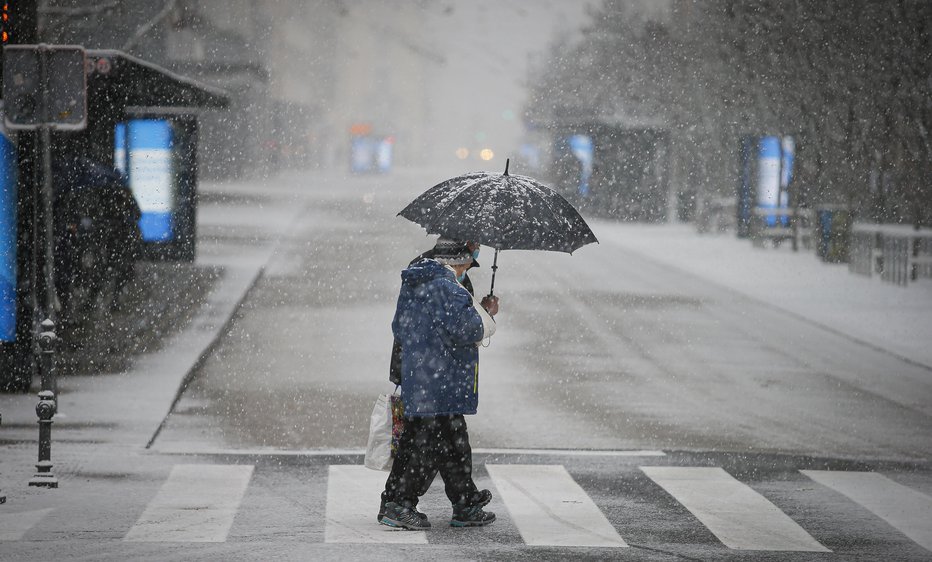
point(30, 105)
point(46, 339)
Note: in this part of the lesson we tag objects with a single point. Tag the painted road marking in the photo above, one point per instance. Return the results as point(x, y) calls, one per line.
point(196, 504)
point(352, 504)
point(550, 508)
point(740, 517)
point(14, 525)
point(573, 452)
point(273, 452)
point(906, 509)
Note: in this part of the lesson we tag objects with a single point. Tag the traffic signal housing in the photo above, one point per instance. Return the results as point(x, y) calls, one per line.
point(18, 24)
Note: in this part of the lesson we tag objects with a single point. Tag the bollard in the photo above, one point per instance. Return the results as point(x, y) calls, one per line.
point(48, 343)
point(46, 407)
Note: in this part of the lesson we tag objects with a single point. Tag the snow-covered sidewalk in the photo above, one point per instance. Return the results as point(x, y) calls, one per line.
point(119, 412)
point(882, 315)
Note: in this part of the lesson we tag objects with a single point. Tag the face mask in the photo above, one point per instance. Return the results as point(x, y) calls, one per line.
point(475, 254)
point(461, 277)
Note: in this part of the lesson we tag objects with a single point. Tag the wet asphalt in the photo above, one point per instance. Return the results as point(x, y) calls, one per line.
point(607, 349)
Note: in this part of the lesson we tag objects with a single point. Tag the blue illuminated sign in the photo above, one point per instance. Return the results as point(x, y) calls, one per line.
point(768, 176)
point(384, 154)
point(119, 148)
point(362, 154)
point(143, 150)
point(774, 172)
point(582, 148)
point(8, 168)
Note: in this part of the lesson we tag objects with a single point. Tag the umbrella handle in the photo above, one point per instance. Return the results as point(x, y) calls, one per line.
point(494, 270)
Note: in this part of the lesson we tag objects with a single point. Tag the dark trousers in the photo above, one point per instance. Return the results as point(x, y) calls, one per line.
point(429, 445)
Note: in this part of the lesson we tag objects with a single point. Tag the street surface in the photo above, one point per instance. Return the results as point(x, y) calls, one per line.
point(606, 349)
point(632, 406)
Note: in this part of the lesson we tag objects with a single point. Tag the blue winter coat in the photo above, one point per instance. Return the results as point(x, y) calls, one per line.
point(438, 329)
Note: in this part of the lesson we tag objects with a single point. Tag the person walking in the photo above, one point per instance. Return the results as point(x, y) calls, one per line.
point(439, 326)
point(490, 304)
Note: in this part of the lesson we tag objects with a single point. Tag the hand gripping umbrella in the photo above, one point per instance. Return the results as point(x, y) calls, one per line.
point(503, 211)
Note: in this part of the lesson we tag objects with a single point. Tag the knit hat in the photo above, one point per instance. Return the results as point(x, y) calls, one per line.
point(452, 252)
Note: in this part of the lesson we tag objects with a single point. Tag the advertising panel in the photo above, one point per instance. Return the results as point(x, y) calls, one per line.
point(582, 148)
point(119, 149)
point(776, 156)
point(768, 175)
point(362, 152)
point(385, 153)
point(144, 148)
point(788, 156)
point(8, 166)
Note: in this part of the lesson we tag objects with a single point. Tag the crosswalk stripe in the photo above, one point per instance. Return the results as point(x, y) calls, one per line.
point(196, 504)
point(736, 514)
point(353, 493)
point(196, 449)
point(908, 510)
point(14, 525)
point(550, 508)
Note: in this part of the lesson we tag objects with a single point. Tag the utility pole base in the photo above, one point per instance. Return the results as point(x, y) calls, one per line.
point(44, 481)
point(44, 477)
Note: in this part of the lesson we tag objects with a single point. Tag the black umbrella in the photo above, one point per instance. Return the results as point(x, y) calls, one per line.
point(503, 211)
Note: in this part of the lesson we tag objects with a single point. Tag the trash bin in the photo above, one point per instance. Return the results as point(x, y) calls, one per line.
point(834, 233)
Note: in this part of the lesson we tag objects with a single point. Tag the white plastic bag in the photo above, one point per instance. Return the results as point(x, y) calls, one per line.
point(379, 447)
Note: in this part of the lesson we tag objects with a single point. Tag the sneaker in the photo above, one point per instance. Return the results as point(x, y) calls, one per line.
point(472, 516)
point(423, 515)
point(485, 497)
point(404, 517)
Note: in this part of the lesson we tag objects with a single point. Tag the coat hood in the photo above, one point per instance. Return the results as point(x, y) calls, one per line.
point(423, 271)
point(438, 329)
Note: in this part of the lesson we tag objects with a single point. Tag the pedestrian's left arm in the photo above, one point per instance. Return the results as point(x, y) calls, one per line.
point(461, 320)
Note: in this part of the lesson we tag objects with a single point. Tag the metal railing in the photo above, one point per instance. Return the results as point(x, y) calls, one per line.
point(899, 254)
point(791, 224)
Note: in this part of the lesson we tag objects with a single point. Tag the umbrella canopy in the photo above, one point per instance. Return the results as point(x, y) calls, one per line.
point(506, 212)
point(502, 211)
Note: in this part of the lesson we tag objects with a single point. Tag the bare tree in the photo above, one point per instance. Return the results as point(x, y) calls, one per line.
point(849, 79)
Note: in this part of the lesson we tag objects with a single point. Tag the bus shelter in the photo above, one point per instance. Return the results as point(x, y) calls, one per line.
point(614, 169)
point(142, 122)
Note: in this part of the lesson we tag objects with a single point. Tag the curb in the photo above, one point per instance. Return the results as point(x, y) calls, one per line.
point(222, 324)
point(216, 333)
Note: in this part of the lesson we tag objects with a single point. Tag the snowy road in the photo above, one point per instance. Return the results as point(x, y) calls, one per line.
point(748, 415)
point(549, 507)
point(657, 396)
point(611, 348)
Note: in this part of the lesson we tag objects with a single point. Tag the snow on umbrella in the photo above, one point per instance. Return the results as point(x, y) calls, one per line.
point(504, 211)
